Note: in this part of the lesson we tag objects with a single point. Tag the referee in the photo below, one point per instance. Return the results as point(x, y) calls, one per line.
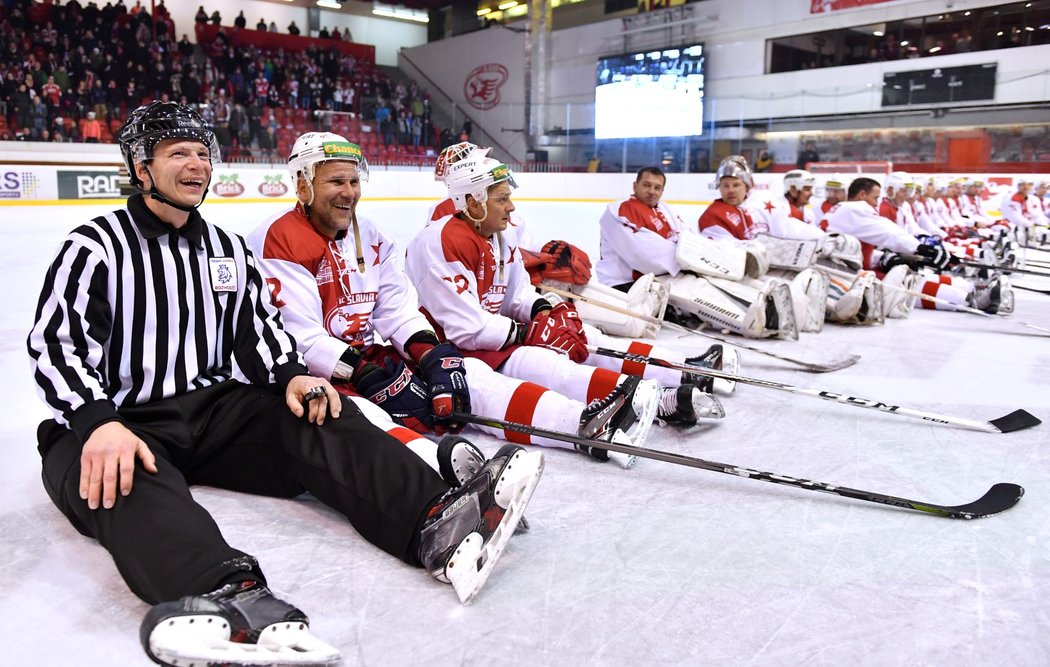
point(145, 316)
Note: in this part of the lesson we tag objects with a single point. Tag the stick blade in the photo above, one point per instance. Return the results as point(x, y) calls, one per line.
point(999, 498)
point(1016, 421)
point(830, 367)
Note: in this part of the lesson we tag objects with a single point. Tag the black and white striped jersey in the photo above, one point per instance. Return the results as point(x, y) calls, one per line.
point(133, 311)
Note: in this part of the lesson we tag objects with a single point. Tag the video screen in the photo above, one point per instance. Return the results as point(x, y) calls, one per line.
point(650, 94)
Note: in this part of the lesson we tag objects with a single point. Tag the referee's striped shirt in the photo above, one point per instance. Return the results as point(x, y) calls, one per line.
point(133, 311)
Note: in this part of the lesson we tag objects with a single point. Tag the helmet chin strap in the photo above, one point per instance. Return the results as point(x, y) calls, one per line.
point(155, 194)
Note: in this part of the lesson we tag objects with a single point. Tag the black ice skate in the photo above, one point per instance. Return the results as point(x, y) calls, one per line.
point(624, 416)
point(459, 460)
point(685, 404)
point(239, 624)
point(719, 359)
point(467, 530)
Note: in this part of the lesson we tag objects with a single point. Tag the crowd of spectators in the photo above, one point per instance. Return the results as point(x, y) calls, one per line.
point(71, 72)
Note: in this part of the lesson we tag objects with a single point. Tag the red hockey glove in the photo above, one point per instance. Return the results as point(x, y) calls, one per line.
point(561, 330)
point(559, 261)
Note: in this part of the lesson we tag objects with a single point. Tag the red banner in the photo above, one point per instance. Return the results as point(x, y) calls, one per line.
point(821, 6)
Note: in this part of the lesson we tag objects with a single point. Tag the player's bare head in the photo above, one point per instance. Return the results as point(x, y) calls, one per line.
point(864, 189)
point(649, 185)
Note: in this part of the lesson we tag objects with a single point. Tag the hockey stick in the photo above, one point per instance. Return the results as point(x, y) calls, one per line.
point(808, 366)
point(1031, 289)
point(1015, 421)
point(999, 498)
point(932, 299)
point(1003, 269)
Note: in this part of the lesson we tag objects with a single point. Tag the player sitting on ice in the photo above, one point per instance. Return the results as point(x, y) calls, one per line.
point(834, 191)
point(1021, 210)
point(336, 278)
point(632, 313)
point(474, 288)
point(798, 190)
point(886, 247)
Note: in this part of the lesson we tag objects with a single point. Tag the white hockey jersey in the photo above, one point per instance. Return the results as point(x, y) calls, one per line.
point(339, 301)
point(473, 289)
point(861, 220)
point(637, 239)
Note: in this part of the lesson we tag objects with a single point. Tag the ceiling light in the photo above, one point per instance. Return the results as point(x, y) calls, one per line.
point(329, 4)
point(935, 49)
point(904, 42)
point(482, 12)
point(508, 5)
point(878, 33)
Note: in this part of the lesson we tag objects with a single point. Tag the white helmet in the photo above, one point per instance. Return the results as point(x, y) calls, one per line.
point(799, 178)
point(898, 180)
point(1024, 180)
point(453, 154)
point(313, 148)
point(735, 166)
point(473, 175)
point(974, 181)
point(836, 182)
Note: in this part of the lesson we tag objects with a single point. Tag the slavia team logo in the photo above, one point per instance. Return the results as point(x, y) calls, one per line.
point(348, 325)
point(273, 185)
point(229, 186)
point(482, 85)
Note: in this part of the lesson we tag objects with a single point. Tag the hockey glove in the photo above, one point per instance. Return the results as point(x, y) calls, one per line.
point(888, 260)
point(559, 329)
point(558, 261)
point(443, 369)
point(932, 253)
point(395, 389)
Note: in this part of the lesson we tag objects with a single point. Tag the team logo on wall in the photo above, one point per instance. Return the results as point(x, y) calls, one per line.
point(482, 85)
point(273, 185)
point(229, 186)
point(18, 185)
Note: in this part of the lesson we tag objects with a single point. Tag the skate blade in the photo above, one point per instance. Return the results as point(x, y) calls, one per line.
point(472, 563)
point(625, 461)
point(639, 431)
point(731, 366)
point(204, 639)
point(709, 408)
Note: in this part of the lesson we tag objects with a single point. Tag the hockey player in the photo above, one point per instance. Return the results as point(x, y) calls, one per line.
point(475, 289)
point(143, 314)
point(971, 206)
point(886, 246)
point(895, 205)
point(834, 192)
point(569, 268)
point(798, 189)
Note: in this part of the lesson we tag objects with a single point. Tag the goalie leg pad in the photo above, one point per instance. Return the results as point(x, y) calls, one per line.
point(708, 257)
point(898, 281)
point(647, 296)
point(743, 308)
point(794, 254)
point(809, 295)
point(856, 302)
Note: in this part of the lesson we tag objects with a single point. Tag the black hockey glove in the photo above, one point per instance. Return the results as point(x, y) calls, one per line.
point(932, 253)
point(442, 368)
point(890, 260)
point(398, 391)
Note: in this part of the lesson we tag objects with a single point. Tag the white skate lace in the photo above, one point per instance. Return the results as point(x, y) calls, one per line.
point(668, 402)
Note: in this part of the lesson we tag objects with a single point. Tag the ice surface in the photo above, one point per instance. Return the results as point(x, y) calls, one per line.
point(656, 565)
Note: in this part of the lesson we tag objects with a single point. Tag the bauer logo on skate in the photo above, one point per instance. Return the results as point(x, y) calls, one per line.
point(481, 87)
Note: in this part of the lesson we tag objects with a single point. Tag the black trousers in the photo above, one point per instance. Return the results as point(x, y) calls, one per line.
point(242, 438)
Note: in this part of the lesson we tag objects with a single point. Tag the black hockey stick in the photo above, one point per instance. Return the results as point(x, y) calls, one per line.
point(1015, 421)
point(999, 498)
point(808, 366)
point(1003, 269)
point(1031, 289)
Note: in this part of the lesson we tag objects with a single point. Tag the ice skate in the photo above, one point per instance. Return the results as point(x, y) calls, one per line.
point(467, 530)
point(987, 295)
point(239, 624)
point(459, 460)
point(630, 408)
point(716, 358)
point(686, 404)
